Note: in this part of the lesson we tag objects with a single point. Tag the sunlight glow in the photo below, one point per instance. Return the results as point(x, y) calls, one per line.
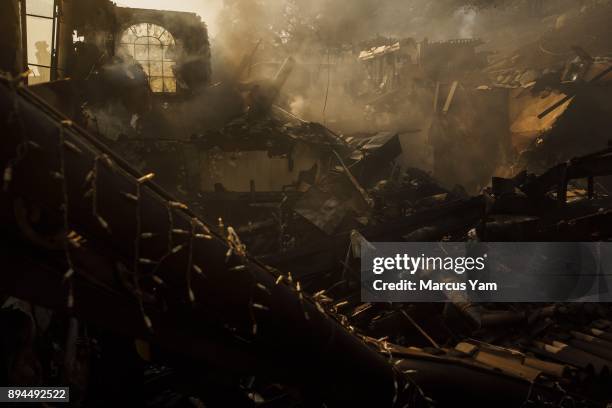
point(207, 9)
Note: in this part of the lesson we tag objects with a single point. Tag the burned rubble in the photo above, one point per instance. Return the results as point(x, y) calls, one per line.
point(185, 228)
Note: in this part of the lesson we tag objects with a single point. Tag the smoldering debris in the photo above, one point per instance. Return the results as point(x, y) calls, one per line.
point(185, 220)
point(410, 205)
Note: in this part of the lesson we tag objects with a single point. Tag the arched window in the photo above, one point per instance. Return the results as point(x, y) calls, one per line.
point(152, 46)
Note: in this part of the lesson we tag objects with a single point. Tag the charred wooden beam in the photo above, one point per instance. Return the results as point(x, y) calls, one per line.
point(593, 165)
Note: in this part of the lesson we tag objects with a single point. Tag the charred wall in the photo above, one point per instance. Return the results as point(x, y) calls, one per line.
point(193, 55)
point(11, 56)
point(101, 24)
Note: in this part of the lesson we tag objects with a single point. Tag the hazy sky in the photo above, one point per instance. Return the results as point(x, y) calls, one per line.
point(207, 9)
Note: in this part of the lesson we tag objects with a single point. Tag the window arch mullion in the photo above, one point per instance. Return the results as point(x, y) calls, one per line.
point(161, 63)
point(149, 51)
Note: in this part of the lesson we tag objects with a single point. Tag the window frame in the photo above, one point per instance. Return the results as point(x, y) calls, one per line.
point(53, 74)
point(152, 40)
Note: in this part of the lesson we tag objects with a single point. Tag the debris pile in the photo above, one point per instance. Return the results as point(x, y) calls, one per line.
point(176, 236)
